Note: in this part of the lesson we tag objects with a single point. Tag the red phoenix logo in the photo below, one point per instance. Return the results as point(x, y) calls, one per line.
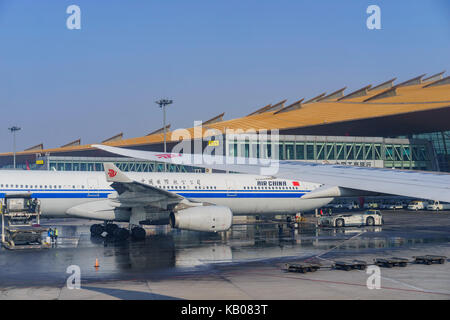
point(112, 173)
point(296, 183)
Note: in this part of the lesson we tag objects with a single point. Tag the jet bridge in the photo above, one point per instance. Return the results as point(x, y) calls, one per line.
point(20, 215)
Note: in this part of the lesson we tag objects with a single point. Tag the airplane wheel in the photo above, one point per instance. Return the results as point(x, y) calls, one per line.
point(121, 234)
point(97, 229)
point(111, 228)
point(138, 233)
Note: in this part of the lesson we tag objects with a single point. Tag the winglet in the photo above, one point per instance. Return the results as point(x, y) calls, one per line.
point(113, 174)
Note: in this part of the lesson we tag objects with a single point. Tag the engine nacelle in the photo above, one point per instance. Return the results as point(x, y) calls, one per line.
point(207, 218)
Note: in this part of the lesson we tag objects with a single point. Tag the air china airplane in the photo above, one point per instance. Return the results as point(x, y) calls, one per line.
point(326, 182)
point(191, 201)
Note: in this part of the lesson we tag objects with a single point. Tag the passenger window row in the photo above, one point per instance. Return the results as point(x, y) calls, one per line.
point(180, 187)
point(26, 186)
point(215, 188)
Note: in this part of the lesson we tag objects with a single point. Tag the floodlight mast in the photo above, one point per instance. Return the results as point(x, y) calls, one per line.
point(13, 130)
point(162, 104)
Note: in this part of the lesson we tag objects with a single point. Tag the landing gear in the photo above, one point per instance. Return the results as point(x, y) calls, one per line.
point(110, 228)
point(138, 233)
point(97, 229)
point(121, 233)
point(118, 233)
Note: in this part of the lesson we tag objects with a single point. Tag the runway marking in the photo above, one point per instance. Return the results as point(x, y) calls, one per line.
point(59, 294)
point(408, 285)
point(355, 284)
point(335, 247)
point(224, 277)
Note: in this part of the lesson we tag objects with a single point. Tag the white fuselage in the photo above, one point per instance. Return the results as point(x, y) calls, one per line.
point(244, 194)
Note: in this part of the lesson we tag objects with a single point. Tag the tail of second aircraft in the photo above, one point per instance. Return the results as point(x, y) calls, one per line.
point(113, 174)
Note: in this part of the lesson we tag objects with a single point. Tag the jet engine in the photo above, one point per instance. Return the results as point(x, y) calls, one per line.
point(205, 218)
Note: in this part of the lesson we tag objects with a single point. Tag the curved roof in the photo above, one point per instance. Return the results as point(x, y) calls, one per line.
point(378, 102)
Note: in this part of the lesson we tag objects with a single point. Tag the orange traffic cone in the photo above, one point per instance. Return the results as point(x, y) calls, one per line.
point(96, 264)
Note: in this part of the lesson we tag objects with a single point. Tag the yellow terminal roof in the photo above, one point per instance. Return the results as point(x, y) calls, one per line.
point(403, 100)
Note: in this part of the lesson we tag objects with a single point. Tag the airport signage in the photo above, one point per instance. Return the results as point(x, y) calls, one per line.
point(358, 163)
point(214, 143)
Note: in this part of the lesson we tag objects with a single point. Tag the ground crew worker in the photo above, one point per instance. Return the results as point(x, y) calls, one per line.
point(29, 205)
point(34, 205)
point(55, 233)
point(50, 234)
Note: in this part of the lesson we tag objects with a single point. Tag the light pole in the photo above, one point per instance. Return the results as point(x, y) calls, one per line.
point(162, 104)
point(13, 130)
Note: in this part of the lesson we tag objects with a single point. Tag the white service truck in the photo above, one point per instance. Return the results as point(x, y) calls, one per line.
point(417, 205)
point(367, 218)
point(438, 206)
point(395, 206)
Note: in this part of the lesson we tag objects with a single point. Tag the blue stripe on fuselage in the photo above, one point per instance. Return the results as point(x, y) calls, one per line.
point(50, 194)
point(65, 195)
point(239, 195)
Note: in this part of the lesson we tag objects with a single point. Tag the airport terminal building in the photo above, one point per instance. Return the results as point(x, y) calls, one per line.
point(389, 125)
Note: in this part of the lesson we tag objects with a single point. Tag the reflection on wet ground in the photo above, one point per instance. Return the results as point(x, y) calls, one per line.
point(168, 253)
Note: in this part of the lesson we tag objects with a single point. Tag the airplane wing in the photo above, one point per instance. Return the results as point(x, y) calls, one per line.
point(133, 193)
point(409, 183)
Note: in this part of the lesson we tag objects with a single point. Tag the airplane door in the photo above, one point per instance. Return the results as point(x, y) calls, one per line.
point(92, 185)
point(231, 188)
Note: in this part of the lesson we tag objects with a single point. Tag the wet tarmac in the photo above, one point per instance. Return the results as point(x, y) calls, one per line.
point(168, 254)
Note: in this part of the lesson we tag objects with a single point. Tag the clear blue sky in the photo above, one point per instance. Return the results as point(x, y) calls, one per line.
point(209, 56)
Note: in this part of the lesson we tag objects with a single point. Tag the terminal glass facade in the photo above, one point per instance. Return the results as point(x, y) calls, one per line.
point(441, 145)
point(124, 164)
point(399, 153)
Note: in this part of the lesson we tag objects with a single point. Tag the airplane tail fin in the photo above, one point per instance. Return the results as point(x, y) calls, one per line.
point(113, 174)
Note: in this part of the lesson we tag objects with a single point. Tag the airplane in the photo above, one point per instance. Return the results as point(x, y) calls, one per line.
point(190, 201)
point(326, 180)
